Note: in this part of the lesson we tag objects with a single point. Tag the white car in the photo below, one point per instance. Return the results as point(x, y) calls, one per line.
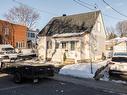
point(118, 65)
point(7, 52)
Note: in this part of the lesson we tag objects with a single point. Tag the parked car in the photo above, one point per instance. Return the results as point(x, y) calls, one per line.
point(7, 52)
point(27, 54)
point(118, 65)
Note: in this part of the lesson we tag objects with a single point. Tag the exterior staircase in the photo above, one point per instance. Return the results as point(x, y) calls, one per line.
point(57, 56)
point(69, 61)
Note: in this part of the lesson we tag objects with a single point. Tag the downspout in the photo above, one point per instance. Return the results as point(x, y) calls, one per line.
point(90, 55)
point(54, 48)
point(45, 59)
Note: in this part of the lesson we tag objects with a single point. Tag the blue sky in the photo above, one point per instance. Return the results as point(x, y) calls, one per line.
point(52, 8)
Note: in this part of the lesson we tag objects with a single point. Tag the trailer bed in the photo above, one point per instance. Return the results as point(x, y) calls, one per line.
point(29, 70)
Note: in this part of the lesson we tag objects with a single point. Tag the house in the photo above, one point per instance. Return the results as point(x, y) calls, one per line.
point(13, 34)
point(75, 38)
point(32, 38)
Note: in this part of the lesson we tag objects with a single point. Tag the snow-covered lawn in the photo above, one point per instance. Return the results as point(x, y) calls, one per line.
point(82, 70)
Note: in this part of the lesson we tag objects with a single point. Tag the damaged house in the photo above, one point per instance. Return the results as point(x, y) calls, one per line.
point(73, 38)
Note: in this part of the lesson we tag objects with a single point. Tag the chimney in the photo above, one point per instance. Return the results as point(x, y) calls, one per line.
point(64, 14)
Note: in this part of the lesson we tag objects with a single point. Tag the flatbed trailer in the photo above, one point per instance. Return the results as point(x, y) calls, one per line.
point(26, 70)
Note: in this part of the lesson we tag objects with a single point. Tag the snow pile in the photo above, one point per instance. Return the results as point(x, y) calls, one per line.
point(120, 81)
point(82, 70)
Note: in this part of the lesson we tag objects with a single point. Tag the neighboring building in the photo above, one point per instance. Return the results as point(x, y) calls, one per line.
point(116, 45)
point(79, 37)
point(120, 47)
point(32, 38)
point(13, 34)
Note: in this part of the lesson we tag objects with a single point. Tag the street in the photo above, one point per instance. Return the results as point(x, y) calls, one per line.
point(47, 87)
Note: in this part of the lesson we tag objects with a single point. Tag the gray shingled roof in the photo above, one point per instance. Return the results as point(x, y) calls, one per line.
point(70, 24)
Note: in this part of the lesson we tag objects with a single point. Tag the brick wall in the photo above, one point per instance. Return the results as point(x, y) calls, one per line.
point(13, 34)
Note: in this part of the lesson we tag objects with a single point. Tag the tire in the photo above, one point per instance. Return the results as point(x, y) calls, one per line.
point(3, 65)
point(17, 78)
point(36, 80)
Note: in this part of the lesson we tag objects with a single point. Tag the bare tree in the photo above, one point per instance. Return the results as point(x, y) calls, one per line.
point(23, 15)
point(111, 33)
point(122, 28)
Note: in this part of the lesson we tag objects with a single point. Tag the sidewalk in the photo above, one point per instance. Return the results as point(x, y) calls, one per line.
point(105, 85)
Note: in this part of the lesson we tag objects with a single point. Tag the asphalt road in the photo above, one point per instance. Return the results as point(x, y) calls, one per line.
point(47, 87)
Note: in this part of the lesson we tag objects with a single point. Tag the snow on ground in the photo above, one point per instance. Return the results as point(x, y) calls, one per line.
point(82, 70)
point(119, 81)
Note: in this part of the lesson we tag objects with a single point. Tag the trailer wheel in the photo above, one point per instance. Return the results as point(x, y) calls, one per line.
point(17, 78)
point(36, 80)
point(3, 65)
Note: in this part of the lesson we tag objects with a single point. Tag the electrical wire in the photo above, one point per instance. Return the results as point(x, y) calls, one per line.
point(95, 6)
point(114, 9)
point(83, 5)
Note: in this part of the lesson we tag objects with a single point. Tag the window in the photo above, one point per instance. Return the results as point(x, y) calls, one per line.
point(6, 31)
point(99, 26)
point(49, 44)
point(23, 44)
point(19, 44)
point(28, 34)
point(1, 28)
point(64, 45)
point(57, 45)
point(16, 44)
point(32, 35)
point(72, 45)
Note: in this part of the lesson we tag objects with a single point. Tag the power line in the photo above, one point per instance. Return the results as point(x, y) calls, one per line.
point(95, 6)
point(82, 5)
point(114, 9)
point(79, 2)
point(44, 11)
